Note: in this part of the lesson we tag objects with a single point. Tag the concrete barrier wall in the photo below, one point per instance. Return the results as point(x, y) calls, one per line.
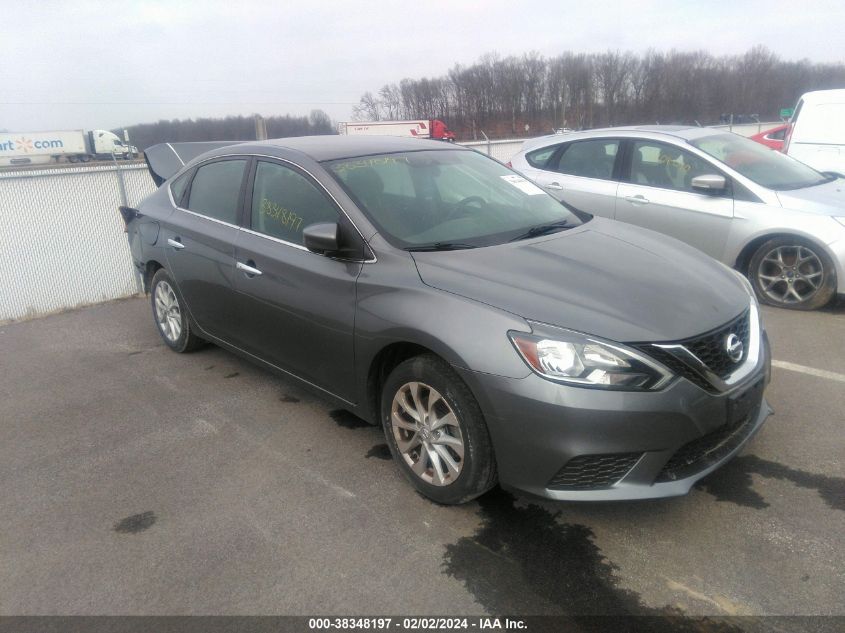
point(61, 238)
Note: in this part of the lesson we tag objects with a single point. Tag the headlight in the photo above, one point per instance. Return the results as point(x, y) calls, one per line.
point(585, 361)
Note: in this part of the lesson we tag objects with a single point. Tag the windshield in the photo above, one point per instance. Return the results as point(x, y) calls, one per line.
point(759, 163)
point(449, 198)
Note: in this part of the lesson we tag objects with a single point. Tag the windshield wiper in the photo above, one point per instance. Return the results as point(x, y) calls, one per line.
point(440, 246)
point(541, 229)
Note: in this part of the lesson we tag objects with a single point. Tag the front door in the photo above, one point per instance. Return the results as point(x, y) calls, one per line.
point(297, 307)
point(656, 193)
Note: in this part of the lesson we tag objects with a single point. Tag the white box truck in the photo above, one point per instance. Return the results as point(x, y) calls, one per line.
point(34, 148)
point(421, 128)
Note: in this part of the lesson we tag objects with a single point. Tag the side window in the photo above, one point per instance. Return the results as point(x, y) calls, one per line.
point(215, 190)
point(591, 159)
point(539, 157)
point(777, 136)
point(284, 202)
point(666, 166)
point(178, 186)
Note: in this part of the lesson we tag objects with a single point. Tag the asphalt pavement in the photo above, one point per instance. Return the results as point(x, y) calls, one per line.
point(138, 481)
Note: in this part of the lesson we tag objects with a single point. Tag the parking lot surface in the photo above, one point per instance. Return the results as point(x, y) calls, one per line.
point(138, 481)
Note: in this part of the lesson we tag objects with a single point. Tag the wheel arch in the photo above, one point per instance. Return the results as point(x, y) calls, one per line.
point(743, 259)
point(384, 361)
point(151, 267)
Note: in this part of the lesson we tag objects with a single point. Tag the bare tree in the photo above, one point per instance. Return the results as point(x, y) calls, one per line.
point(501, 96)
point(368, 109)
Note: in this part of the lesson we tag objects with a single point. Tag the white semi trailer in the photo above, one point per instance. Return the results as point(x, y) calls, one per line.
point(422, 128)
point(34, 148)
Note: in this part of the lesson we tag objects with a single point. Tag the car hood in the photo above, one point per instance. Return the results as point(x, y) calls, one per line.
point(605, 278)
point(826, 199)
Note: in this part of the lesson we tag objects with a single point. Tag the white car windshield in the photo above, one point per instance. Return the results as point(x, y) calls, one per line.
point(449, 198)
point(759, 163)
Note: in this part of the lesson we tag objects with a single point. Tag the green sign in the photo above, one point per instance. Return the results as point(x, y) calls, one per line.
point(785, 113)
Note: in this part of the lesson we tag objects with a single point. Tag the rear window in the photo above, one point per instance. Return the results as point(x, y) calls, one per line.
point(539, 158)
point(178, 186)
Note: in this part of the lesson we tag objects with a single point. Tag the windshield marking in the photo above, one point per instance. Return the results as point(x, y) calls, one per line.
point(523, 185)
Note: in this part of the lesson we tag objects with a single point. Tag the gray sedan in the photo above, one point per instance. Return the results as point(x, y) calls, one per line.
point(494, 333)
point(775, 219)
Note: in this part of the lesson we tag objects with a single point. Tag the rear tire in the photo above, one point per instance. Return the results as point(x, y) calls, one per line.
point(170, 315)
point(436, 431)
point(792, 273)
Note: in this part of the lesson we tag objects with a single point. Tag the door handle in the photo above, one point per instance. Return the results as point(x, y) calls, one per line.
point(250, 271)
point(554, 185)
point(638, 199)
point(175, 243)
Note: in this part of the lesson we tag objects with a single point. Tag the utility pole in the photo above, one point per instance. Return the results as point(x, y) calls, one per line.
point(260, 128)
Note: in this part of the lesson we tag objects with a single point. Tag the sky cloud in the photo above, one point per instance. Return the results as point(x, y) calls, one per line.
point(87, 64)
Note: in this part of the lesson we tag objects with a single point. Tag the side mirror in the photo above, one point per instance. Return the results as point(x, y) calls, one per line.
point(323, 237)
point(709, 183)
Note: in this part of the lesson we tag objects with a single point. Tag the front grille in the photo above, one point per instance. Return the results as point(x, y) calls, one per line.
point(709, 348)
point(695, 456)
point(593, 472)
point(678, 367)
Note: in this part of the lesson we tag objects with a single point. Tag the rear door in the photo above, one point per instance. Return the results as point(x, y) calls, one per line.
point(200, 243)
point(656, 193)
point(583, 174)
point(297, 307)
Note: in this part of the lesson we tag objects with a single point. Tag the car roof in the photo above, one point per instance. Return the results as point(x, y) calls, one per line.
point(683, 132)
point(824, 96)
point(167, 159)
point(333, 146)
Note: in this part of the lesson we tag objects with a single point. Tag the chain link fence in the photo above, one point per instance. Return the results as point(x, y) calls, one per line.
point(502, 150)
point(61, 237)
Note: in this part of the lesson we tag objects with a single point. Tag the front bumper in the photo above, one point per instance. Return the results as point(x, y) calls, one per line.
point(538, 427)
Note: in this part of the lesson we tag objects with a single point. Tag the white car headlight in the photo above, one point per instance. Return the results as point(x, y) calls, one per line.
point(585, 361)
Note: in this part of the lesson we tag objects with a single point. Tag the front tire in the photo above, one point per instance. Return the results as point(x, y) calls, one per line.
point(793, 273)
point(436, 431)
point(170, 316)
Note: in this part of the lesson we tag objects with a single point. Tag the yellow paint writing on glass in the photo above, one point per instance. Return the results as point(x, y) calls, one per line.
point(667, 160)
point(284, 216)
point(351, 165)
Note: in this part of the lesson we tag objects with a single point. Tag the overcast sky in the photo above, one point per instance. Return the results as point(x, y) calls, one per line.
point(88, 64)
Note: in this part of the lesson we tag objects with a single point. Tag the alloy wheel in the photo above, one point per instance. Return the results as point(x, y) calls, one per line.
point(790, 274)
point(168, 314)
point(427, 433)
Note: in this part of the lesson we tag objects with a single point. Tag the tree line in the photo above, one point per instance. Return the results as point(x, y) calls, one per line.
point(230, 128)
point(532, 94)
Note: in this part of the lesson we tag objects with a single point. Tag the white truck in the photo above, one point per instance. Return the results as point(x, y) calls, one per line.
point(422, 128)
point(34, 148)
point(817, 133)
